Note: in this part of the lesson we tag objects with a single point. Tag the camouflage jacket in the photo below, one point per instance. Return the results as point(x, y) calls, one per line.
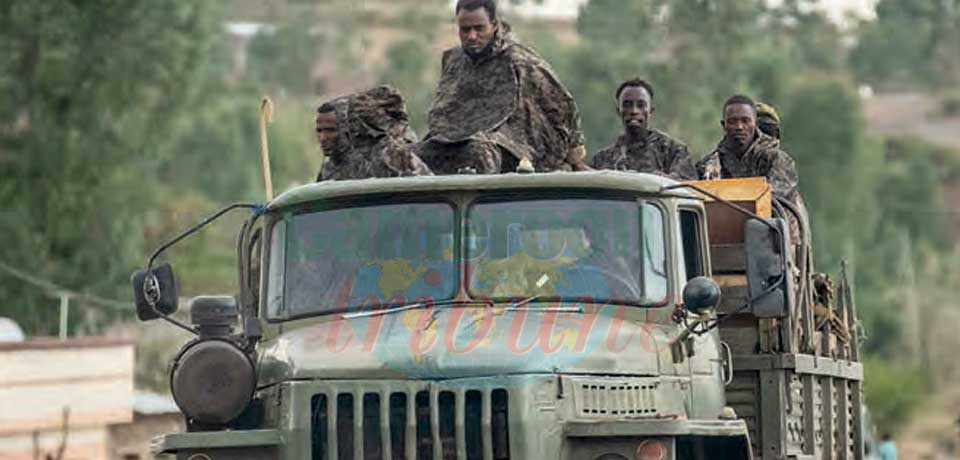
point(510, 98)
point(763, 158)
point(374, 138)
point(657, 153)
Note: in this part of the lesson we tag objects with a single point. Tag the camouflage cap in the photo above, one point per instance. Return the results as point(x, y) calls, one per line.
point(767, 111)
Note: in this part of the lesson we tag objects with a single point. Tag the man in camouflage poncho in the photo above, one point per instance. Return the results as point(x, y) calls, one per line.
point(642, 148)
point(367, 134)
point(498, 102)
point(747, 152)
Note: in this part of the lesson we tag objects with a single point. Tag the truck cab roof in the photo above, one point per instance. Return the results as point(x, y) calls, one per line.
point(604, 180)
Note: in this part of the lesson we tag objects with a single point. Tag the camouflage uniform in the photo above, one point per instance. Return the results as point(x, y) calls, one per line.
point(656, 153)
point(490, 113)
point(374, 138)
point(763, 158)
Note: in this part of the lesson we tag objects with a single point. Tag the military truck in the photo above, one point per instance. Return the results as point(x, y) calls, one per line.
point(519, 316)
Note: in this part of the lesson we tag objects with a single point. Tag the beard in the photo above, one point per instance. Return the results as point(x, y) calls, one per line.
point(478, 54)
point(337, 152)
point(736, 145)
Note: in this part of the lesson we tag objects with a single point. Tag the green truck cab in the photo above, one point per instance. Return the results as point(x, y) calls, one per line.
point(519, 316)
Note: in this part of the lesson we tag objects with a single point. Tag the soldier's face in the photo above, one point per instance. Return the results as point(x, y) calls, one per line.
point(326, 130)
point(636, 109)
point(476, 31)
point(739, 123)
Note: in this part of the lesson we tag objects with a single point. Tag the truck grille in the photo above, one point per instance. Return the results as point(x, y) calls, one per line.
point(429, 424)
point(615, 398)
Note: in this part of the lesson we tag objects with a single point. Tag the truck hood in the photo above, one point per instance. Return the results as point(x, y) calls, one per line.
point(468, 342)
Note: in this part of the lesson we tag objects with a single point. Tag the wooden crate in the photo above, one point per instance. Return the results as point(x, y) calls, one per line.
point(726, 226)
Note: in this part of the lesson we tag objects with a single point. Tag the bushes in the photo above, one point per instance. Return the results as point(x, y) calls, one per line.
point(893, 393)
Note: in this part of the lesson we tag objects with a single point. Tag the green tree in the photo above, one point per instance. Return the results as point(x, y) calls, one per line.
point(89, 90)
point(912, 43)
point(824, 132)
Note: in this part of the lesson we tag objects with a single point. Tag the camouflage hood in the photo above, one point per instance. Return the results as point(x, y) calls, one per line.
point(758, 154)
point(364, 118)
point(510, 97)
point(368, 122)
point(475, 95)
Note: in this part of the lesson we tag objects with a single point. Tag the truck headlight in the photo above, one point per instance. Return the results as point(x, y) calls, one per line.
point(212, 381)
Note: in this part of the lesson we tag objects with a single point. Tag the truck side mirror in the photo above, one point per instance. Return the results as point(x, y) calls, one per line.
point(769, 281)
point(161, 287)
point(701, 294)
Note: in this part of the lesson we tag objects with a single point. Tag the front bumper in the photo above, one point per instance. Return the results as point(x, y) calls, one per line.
point(515, 417)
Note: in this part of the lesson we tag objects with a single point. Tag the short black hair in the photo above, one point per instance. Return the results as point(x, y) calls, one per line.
point(470, 5)
point(740, 99)
point(635, 83)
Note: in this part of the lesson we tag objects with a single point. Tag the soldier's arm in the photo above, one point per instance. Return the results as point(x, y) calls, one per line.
point(601, 160)
point(782, 175)
point(709, 167)
point(564, 113)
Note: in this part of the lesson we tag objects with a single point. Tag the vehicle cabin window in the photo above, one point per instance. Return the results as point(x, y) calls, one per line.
point(691, 241)
point(367, 258)
point(569, 249)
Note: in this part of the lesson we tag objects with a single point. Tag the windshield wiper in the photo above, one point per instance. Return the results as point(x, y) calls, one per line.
point(414, 306)
point(540, 283)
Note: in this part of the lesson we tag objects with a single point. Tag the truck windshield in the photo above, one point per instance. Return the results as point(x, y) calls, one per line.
point(367, 257)
point(572, 249)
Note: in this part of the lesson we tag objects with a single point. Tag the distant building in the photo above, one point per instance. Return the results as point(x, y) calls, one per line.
point(64, 396)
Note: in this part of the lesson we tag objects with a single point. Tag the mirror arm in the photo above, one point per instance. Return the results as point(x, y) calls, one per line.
point(689, 329)
point(746, 306)
point(173, 321)
point(257, 208)
point(151, 288)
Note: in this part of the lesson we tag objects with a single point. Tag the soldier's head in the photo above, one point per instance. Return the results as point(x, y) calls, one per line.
point(477, 23)
point(326, 128)
point(635, 105)
point(768, 120)
point(739, 120)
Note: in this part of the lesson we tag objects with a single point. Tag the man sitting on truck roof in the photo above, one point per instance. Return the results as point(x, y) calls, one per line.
point(747, 152)
point(367, 134)
point(642, 148)
point(498, 102)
